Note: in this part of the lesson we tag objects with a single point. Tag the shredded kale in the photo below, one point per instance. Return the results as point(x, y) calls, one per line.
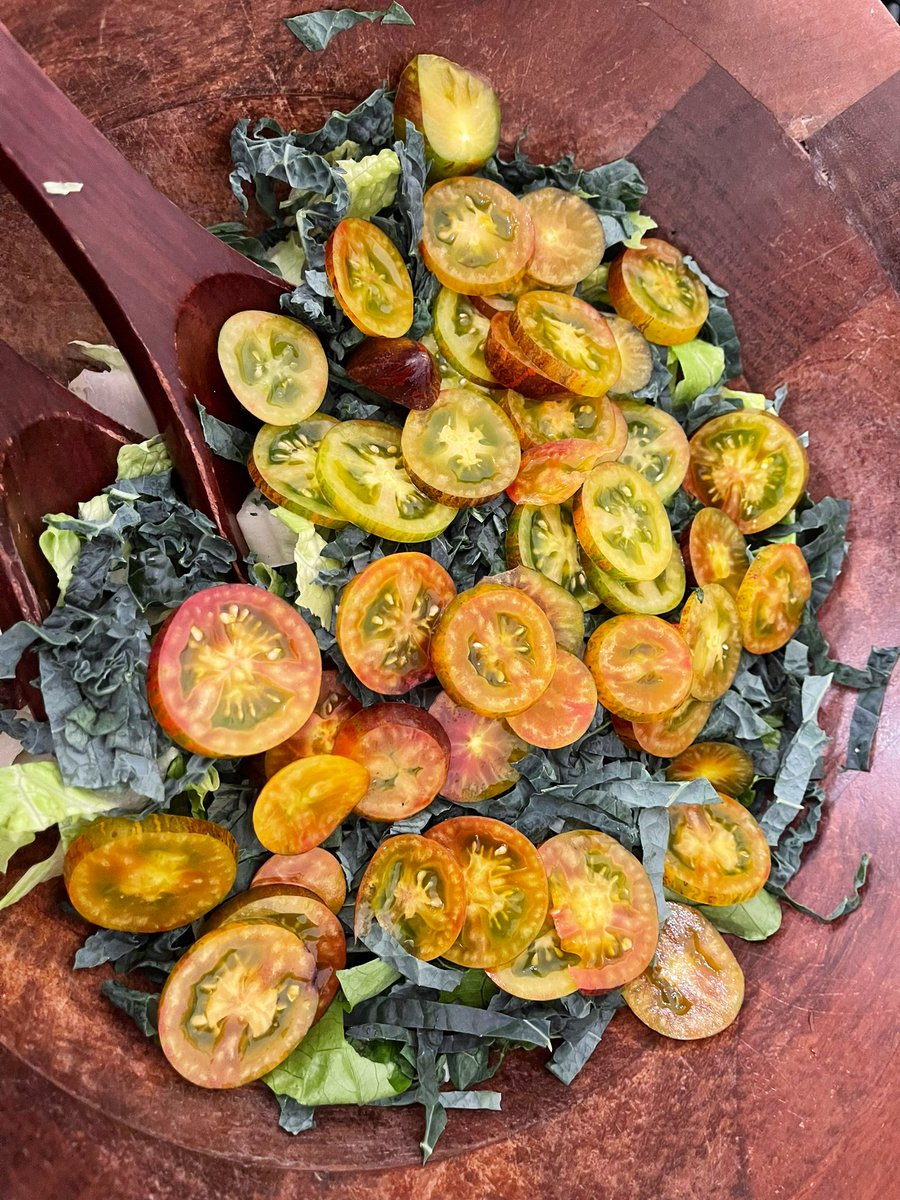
point(317, 29)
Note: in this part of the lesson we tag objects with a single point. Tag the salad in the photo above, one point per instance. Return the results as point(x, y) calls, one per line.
point(512, 712)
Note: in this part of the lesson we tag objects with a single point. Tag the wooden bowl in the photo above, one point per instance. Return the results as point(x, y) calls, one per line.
point(768, 137)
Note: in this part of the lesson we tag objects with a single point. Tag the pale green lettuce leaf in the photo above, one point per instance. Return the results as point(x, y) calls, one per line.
point(371, 182)
point(642, 224)
point(110, 356)
point(318, 598)
point(61, 548)
point(702, 366)
point(143, 458)
point(367, 980)
point(289, 258)
point(48, 868)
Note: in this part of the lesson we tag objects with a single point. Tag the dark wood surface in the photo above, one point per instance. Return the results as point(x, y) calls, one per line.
point(797, 1100)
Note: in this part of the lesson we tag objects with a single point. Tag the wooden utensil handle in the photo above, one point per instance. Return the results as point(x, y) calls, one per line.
point(149, 270)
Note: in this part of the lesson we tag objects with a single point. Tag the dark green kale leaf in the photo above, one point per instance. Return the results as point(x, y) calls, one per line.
point(849, 904)
point(223, 439)
point(142, 1007)
point(317, 29)
point(864, 722)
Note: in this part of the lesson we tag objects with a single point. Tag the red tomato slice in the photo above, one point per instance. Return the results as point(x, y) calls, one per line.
point(306, 801)
point(554, 471)
point(316, 870)
point(728, 768)
point(236, 1004)
point(565, 710)
point(386, 618)
point(772, 596)
point(414, 888)
point(563, 611)
point(234, 671)
point(602, 906)
point(717, 853)
point(674, 732)
point(641, 666)
point(505, 889)
point(369, 278)
point(716, 550)
point(482, 752)
point(405, 751)
point(334, 706)
point(712, 630)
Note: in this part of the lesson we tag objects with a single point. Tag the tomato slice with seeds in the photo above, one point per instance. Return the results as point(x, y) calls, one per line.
point(621, 523)
point(505, 888)
point(477, 237)
point(150, 875)
point(234, 671)
point(554, 471)
point(386, 618)
point(750, 464)
point(461, 451)
point(361, 473)
point(559, 418)
point(694, 987)
point(306, 801)
point(654, 290)
point(275, 366)
point(369, 278)
point(563, 611)
point(568, 237)
point(716, 550)
point(460, 332)
point(602, 907)
point(236, 1004)
point(283, 467)
point(541, 971)
point(510, 366)
point(565, 710)
point(650, 597)
point(710, 626)
point(772, 596)
point(641, 666)
point(317, 871)
point(494, 650)
point(728, 768)
point(567, 340)
point(543, 538)
point(717, 853)
point(635, 353)
point(305, 915)
point(334, 706)
point(482, 753)
point(406, 753)
point(657, 447)
point(674, 732)
point(414, 888)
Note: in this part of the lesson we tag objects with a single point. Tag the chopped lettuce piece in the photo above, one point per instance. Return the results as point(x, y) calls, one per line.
point(371, 182)
point(143, 458)
point(701, 366)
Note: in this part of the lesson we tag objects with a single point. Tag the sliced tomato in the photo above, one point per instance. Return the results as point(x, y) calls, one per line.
point(717, 853)
point(361, 473)
point(386, 619)
point(641, 666)
point(621, 523)
point(710, 626)
point(635, 353)
point(716, 550)
point(305, 915)
point(334, 706)
point(563, 611)
point(694, 987)
point(460, 331)
point(728, 768)
point(316, 870)
point(283, 467)
point(369, 278)
point(461, 451)
point(554, 471)
point(510, 366)
point(150, 875)
point(568, 237)
point(306, 801)
point(236, 1004)
point(407, 755)
point(750, 464)
point(489, 306)
point(602, 906)
point(624, 730)
point(505, 889)
point(657, 447)
point(651, 597)
point(675, 731)
point(541, 971)
point(477, 237)
point(275, 366)
point(234, 671)
point(415, 889)
point(494, 650)
point(564, 712)
point(543, 538)
point(482, 751)
point(772, 596)
point(567, 340)
point(559, 418)
point(654, 290)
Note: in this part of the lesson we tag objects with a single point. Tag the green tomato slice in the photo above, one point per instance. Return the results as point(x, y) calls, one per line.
point(657, 447)
point(275, 366)
point(283, 467)
point(543, 538)
point(361, 474)
point(649, 598)
point(621, 523)
point(460, 332)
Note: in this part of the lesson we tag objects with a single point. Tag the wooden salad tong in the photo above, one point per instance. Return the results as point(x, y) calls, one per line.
point(162, 284)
